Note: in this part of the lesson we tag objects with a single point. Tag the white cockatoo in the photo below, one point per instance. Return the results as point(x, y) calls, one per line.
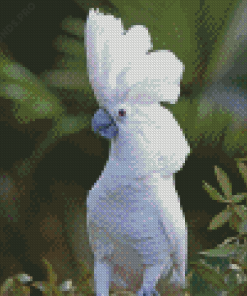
point(136, 227)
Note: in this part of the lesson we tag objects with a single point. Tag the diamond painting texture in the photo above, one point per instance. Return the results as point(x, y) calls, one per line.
point(134, 217)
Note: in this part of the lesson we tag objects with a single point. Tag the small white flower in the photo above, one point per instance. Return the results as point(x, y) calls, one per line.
point(24, 278)
point(66, 286)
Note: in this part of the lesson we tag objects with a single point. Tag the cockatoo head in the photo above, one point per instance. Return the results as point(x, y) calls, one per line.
point(129, 81)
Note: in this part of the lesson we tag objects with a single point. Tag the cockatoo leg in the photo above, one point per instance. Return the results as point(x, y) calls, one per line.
point(150, 279)
point(102, 278)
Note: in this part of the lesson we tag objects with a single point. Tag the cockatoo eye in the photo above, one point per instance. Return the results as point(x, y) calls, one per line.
point(121, 112)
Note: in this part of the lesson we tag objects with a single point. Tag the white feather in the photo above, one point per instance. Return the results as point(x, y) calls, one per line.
point(120, 67)
point(133, 211)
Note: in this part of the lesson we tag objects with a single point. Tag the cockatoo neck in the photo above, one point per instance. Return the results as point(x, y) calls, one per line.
point(149, 141)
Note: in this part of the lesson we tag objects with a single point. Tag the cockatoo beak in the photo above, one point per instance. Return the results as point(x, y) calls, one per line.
point(104, 124)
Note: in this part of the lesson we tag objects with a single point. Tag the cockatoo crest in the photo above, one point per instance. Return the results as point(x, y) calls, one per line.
point(121, 68)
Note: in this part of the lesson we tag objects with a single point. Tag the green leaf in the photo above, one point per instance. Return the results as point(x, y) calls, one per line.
point(234, 222)
point(6, 286)
point(213, 192)
point(68, 79)
point(33, 107)
point(71, 62)
point(241, 289)
point(51, 285)
point(71, 124)
point(211, 123)
point(243, 227)
point(222, 251)
point(74, 26)
point(17, 72)
point(9, 199)
point(241, 211)
point(69, 45)
point(234, 141)
point(220, 219)
point(224, 181)
point(32, 100)
point(242, 169)
point(238, 197)
point(210, 275)
point(14, 73)
point(240, 80)
point(52, 277)
point(225, 50)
